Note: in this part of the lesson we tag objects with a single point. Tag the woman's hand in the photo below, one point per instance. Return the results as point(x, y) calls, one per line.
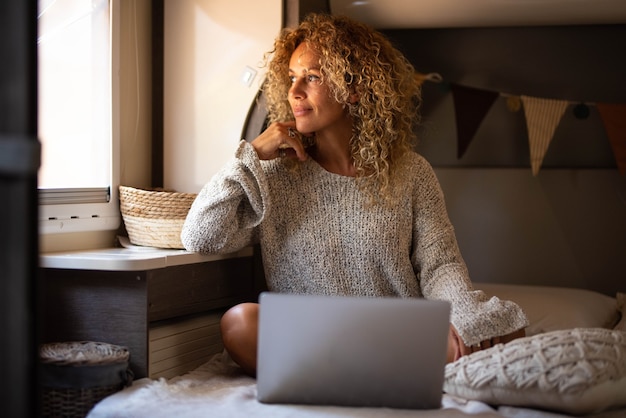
point(280, 139)
point(458, 349)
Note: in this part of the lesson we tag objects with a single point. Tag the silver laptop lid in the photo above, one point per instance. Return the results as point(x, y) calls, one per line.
point(376, 352)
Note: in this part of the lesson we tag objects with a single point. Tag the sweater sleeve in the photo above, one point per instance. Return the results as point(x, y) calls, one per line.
point(226, 212)
point(443, 274)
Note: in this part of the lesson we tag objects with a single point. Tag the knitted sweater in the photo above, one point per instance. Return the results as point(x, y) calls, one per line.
point(320, 235)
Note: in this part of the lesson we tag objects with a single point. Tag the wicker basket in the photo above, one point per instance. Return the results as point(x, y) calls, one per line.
point(77, 375)
point(154, 218)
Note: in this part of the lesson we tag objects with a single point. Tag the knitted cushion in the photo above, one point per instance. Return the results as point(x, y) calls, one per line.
point(577, 371)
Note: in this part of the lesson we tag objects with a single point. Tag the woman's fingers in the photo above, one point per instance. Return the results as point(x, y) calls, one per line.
point(457, 348)
point(279, 140)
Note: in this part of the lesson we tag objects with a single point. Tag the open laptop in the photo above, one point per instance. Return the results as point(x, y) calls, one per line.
point(349, 351)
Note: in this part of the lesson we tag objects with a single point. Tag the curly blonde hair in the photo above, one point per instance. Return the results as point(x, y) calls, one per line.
point(355, 58)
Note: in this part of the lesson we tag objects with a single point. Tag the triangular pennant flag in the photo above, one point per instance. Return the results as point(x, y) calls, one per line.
point(614, 119)
point(542, 118)
point(470, 106)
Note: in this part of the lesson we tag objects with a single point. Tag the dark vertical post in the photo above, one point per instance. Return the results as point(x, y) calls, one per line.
point(157, 93)
point(19, 162)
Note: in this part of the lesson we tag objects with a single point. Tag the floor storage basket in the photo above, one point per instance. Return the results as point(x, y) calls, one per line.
point(154, 218)
point(77, 375)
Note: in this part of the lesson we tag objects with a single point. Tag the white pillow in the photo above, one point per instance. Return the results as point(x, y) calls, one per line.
point(578, 371)
point(555, 308)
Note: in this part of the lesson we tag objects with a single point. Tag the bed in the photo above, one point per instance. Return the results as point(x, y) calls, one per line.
point(572, 362)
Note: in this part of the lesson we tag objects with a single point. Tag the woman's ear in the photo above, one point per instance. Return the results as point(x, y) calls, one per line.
point(354, 96)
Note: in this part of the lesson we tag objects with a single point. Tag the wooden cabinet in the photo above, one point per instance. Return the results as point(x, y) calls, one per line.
point(120, 305)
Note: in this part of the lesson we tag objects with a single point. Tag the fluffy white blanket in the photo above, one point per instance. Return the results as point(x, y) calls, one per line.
point(219, 389)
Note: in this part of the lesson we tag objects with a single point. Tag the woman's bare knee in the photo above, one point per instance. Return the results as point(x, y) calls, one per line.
point(239, 327)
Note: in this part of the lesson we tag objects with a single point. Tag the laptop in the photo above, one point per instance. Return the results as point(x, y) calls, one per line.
point(352, 351)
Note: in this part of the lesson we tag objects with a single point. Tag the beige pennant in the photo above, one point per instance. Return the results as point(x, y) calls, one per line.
point(542, 118)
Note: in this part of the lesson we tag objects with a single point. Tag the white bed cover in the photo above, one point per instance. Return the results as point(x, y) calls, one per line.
point(219, 389)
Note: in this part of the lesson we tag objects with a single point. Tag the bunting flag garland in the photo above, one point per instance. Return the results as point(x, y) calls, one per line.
point(542, 118)
point(470, 105)
point(614, 119)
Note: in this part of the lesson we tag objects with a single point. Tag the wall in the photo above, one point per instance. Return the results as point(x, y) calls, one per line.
point(208, 45)
point(561, 228)
point(565, 226)
point(135, 93)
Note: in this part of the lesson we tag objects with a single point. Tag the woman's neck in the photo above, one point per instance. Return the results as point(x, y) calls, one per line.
point(333, 154)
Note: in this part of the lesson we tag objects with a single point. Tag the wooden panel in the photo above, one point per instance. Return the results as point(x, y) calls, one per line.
point(194, 288)
point(101, 306)
point(117, 307)
point(180, 345)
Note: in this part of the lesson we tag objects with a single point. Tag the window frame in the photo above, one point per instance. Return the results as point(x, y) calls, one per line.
point(64, 210)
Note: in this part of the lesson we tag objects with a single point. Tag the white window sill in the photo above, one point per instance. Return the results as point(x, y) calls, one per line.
point(129, 258)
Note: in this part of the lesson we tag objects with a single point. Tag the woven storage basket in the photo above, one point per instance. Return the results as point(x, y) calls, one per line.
point(77, 375)
point(154, 218)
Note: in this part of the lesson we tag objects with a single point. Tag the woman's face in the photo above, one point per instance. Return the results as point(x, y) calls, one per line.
point(313, 106)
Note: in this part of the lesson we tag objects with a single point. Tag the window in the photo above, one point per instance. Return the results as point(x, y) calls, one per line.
point(77, 124)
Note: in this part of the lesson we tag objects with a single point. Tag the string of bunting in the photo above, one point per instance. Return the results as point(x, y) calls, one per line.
point(543, 116)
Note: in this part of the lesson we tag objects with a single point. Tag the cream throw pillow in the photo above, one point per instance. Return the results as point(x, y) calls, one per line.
point(555, 308)
point(577, 371)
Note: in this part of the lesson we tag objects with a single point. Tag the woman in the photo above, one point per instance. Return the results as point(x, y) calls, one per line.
point(335, 195)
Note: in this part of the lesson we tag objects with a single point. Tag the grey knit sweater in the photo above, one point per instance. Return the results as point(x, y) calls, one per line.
point(319, 235)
